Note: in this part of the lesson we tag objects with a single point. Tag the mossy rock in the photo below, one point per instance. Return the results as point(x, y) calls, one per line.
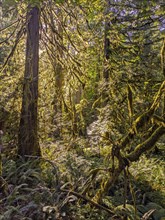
point(157, 197)
point(152, 205)
point(159, 215)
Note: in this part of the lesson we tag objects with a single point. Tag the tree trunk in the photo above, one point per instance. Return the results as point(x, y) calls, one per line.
point(59, 78)
point(28, 137)
point(107, 50)
point(107, 55)
point(56, 55)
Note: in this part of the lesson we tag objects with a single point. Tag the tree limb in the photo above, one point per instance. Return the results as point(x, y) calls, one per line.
point(88, 200)
point(146, 145)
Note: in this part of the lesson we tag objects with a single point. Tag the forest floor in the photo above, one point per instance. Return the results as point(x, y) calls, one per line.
point(62, 184)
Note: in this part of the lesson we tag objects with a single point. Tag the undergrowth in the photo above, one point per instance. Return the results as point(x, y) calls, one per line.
point(61, 185)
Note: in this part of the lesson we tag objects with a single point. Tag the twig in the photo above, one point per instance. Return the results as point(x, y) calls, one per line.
point(88, 200)
point(148, 214)
point(2, 29)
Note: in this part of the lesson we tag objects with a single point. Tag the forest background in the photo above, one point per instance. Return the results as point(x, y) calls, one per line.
point(82, 109)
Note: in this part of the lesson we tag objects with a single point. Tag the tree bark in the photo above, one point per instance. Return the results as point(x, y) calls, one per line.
point(107, 49)
point(28, 138)
point(107, 55)
point(59, 76)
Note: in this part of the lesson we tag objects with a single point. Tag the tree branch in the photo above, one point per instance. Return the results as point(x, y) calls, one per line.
point(146, 145)
point(88, 200)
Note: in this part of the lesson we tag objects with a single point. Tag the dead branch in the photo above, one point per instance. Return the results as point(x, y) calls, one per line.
point(88, 200)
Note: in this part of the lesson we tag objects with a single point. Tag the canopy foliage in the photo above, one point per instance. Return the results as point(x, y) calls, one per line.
point(94, 110)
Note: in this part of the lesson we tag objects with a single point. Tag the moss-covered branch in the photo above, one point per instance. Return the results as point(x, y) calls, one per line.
point(108, 183)
point(146, 145)
point(143, 119)
point(138, 124)
point(158, 95)
point(123, 161)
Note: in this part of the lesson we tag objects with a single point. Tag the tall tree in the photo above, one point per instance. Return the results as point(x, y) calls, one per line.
point(28, 137)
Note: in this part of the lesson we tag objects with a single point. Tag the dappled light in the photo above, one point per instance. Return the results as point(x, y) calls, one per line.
point(82, 110)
